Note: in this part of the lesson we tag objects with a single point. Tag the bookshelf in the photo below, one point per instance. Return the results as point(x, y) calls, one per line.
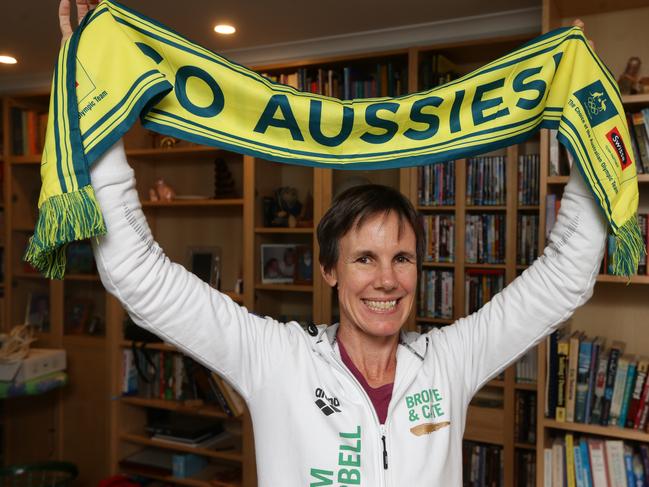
point(604, 22)
point(206, 221)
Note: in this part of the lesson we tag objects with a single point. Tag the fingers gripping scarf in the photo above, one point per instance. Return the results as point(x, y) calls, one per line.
point(120, 65)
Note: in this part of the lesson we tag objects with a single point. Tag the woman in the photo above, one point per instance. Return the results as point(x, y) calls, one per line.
point(360, 402)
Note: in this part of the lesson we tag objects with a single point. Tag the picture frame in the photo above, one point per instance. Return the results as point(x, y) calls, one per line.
point(205, 262)
point(278, 263)
point(78, 315)
point(37, 313)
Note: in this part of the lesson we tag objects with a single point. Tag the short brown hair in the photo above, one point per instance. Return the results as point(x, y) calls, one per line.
point(352, 207)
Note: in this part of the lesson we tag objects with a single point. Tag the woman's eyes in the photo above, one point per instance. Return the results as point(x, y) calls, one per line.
point(363, 259)
point(399, 259)
point(402, 259)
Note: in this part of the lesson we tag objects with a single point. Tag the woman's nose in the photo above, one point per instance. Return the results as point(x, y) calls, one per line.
point(386, 278)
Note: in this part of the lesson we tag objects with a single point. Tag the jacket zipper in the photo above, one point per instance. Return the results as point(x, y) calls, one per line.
point(371, 406)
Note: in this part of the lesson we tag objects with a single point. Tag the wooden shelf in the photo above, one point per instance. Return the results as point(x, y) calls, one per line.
point(623, 280)
point(196, 152)
point(284, 230)
point(435, 321)
point(191, 203)
point(522, 267)
point(177, 406)
point(642, 99)
point(525, 386)
point(524, 446)
point(163, 347)
point(593, 429)
point(436, 208)
point(486, 208)
point(231, 455)
point(83, 277)
point(298, 288)
point(528, 208)
point(495, 383)
point(85, 341)
point(485, 425)
point(27, 275)
point(558, 179)
point(449, 265)
point(484, 266)
point(202, 479)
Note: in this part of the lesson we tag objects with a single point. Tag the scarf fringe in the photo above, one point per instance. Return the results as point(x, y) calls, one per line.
point(63, 219)
point(629, 247)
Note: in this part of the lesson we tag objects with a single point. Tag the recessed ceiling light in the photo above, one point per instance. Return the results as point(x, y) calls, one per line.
point(224, 29)
point(8, 60)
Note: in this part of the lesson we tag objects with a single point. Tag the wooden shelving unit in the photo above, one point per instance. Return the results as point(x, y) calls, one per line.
point(628, 296)
point(237, 225)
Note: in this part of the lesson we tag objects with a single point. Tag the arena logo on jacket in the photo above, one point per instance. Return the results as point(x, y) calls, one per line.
point(426, 405)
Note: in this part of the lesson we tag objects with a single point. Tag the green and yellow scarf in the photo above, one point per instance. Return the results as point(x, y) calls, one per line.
point(120, 65)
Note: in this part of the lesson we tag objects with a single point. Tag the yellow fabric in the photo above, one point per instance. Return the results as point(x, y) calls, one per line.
point(120, 65)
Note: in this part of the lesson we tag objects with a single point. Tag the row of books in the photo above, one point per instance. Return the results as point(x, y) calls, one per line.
point(436, 184)
point(588, 382)
point(436, 70)
point(486, 180)
point(639, 131)
point(380, 80)
point(527, 367)
point(484, 241)
point(482, 465)
point(528, 179)
point(28, 131)
point(436, 294)
point(525, 417)
point(480, 285)
point(528, 238)
point(525, 467)
point(589, 461)
point(439, 233)
point(154, 374)
point(607, 262)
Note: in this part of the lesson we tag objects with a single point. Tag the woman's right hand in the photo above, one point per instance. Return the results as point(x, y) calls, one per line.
point(65, 23)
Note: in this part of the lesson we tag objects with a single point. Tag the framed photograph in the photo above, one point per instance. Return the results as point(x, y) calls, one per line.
point(304, 266)
point(205, 262)
point(38, 311)
point(278, 263)
point(78, 316)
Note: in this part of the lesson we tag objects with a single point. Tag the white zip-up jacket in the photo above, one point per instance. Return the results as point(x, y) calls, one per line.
point(314, 425)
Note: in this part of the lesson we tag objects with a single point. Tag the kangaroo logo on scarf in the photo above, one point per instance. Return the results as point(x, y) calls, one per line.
point(597, 104)
point(126, 66)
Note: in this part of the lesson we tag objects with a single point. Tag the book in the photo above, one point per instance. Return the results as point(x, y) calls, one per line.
point(551, 375)
point(642, 410)
point(563, 349)
point(597, 345)
point(597, 462)
point(583, 379)
point(617, 348)
point(579, 467)
point(570, 460)
point(628, 391)
point(573, 359)
point(585, 462)
point(618, 390)
point(615, 463)
point(547, 467)
point(600, 387)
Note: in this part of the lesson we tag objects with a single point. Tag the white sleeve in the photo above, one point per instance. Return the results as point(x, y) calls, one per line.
point(539, 300)
point(170, 301)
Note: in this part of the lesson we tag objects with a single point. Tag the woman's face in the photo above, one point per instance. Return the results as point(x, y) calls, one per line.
point(376, 275)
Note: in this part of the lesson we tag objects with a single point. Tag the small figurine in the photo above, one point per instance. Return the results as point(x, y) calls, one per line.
point(162, 190)
point(153, 196)
point(629, 81)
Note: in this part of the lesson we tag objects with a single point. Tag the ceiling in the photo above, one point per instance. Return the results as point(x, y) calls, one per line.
point(31, 34)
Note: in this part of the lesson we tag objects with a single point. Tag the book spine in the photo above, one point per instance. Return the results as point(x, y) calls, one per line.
point(615, 463)
point(562, 352)
point(611, 370)
point(628, 393)
point(585, 461)
point(583, 374)
point(570, 460)
point(592, 376)
point(597, 463)
point(618, 391)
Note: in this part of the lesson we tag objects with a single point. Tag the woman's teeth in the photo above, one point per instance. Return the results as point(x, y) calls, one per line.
point(380, 305)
